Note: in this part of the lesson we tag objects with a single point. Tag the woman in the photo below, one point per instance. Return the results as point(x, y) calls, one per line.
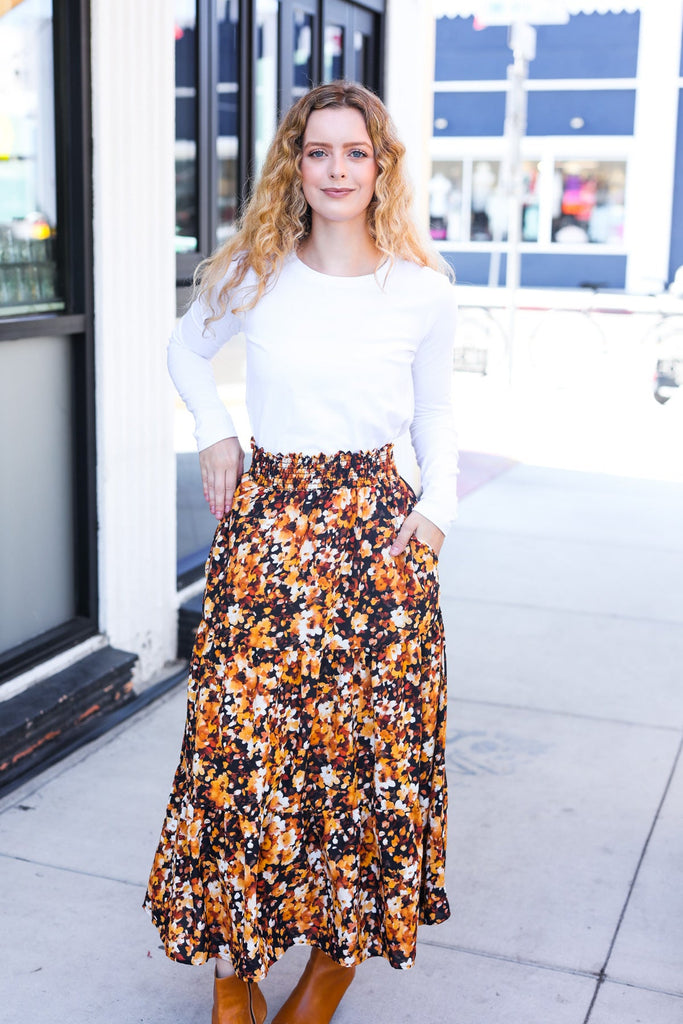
point(309, 806)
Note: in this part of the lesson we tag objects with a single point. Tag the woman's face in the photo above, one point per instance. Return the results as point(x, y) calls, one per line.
point(338, 166)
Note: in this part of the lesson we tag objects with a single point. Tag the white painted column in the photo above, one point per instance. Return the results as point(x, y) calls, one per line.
point(134, 218)
point(410, 46)
point(649, 185)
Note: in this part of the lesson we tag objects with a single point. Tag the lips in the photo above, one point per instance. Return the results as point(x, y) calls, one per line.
point(337, 192)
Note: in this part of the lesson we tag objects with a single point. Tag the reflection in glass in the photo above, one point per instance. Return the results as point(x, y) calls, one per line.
point(446, 201)
point(588, 202)
point(467, 201)
point(530, 201)
point(187, 228)
point(488, 205)
point(303, 53)
point(266, 77)
point(28, 193)
point(361, 57)
point(36, 374)
point(228, 97)
point(334, 49)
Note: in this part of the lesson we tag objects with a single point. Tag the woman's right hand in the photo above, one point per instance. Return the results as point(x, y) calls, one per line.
point(222, 465)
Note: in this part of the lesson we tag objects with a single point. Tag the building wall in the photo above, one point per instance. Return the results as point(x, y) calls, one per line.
point(600, 88)
point(410, 41)
point(676, 251)
point(574, 50)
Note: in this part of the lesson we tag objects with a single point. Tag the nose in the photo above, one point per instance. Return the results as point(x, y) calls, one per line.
point(337, 169)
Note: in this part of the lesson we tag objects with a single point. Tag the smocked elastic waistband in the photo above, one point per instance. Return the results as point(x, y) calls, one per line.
point(343, 468)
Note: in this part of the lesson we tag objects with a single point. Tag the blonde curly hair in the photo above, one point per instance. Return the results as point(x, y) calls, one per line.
point(278, 218)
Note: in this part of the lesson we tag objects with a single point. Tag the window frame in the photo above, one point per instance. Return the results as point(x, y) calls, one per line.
point(356, 16)
point(311, 7)
point(73, 169)
point(353, 17)
point(547, 152)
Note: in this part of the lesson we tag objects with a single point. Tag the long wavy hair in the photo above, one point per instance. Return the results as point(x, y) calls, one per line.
point(277, 218)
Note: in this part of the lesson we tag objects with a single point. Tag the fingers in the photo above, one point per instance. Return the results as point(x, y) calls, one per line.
point(226, 485)
point(222, 465)
point(403, 536)
point(221, 492)
point(424, 530)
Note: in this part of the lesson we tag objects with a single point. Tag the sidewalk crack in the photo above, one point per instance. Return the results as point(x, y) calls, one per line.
point(602, 976)
point(71, 871)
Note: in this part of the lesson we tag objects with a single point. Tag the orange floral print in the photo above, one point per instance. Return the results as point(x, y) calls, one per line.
point(309, 805)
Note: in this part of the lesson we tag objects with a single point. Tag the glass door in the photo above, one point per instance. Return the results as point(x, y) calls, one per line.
point(351, 44)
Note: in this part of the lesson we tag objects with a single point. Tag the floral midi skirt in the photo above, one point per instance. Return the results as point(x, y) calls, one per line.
point(309, 805)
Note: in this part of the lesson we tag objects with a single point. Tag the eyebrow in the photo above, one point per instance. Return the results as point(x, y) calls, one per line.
point(311, 143)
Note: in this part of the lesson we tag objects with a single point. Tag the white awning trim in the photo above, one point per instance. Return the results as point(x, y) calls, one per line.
point(467, 8)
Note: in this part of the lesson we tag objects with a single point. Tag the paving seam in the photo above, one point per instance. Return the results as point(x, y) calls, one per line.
point(520, 962)
point(540, 965)
point(603, 972)
point(71, 871)
point(642, 988)
point(564, 714)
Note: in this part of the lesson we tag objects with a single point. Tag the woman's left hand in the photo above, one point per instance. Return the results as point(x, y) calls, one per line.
point(425, 531)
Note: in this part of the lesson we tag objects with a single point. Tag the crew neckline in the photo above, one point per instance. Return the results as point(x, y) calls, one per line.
point(338, 277)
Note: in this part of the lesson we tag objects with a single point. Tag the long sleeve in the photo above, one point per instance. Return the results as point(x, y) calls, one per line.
point(433, 429)
point(336, 364)
point(191, 348)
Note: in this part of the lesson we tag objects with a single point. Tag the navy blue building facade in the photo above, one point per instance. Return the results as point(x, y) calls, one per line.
point(676, 253)
point(585, 178)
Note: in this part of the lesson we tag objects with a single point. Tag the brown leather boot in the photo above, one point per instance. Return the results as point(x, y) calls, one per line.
point(237, 1002)
point(318, 992)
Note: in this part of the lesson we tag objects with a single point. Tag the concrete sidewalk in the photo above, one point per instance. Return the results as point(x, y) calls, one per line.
point(563, 597)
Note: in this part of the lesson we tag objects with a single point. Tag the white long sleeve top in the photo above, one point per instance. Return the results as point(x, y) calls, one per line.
point(336, 364)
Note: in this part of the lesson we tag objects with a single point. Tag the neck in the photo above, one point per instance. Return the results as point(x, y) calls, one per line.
point(342, 250)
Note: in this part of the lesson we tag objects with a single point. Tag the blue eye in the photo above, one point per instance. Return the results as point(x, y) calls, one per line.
point(316, 152)
point(358, 152)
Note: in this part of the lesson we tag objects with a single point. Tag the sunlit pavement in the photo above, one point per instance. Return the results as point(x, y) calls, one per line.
point(562, 587)
point(581, 397)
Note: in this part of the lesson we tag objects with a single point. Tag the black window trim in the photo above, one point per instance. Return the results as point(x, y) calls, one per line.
point(73, 134)
point(352, 12)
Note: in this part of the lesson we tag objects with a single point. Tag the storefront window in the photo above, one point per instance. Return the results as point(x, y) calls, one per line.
point(303, 52)
point(46, 371)
point(266, 77)
point(29, 279)
point(446, 201)
point(228, 116)
point(36, 374)
point(588, 202)
point(186, 190)
point(488, 207)
point(490, 203)
point(468, 201)
point(334, 51)
point(530, 201)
